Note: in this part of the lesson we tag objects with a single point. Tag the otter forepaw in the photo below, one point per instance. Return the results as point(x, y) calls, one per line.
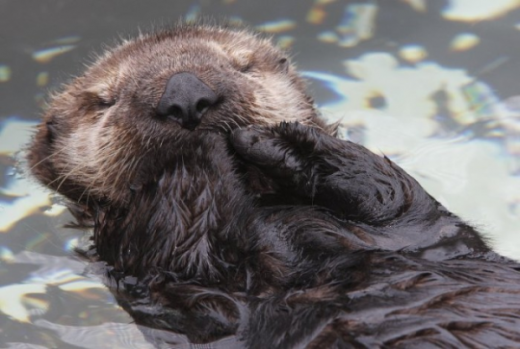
point(281, 151)
point(260, 146)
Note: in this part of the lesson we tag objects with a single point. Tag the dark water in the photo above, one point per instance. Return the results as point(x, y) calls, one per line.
point(433, 84)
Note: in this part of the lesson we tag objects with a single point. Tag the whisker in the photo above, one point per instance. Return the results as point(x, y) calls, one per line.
point(46, 158)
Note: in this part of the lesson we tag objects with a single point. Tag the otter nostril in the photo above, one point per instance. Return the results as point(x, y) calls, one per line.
point(202, 106)
point(175, 111)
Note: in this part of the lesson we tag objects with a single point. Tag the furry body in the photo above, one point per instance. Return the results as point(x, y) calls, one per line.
point(276, 233)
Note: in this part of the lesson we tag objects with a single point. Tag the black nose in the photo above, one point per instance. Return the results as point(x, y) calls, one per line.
point(185, 100)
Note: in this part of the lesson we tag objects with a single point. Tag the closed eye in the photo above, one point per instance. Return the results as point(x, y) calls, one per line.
point(246, 68)
point(105, 103)
point(94, 100)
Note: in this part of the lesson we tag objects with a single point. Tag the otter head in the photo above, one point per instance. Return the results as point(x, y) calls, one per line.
point(138, 105)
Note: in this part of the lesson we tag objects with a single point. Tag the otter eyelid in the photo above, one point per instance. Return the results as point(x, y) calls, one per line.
point(246, 68)
point(106, 103)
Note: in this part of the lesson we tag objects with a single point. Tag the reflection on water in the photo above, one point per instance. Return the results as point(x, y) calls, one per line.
point(433, 85)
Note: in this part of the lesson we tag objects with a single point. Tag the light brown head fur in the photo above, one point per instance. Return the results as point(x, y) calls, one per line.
point(101, 134)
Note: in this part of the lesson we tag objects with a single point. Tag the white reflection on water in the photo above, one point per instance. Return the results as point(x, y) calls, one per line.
point(417, 5)
point(22, 196)
point(14, 134)
point(464, 42)
point(357, 24)
point(17, 300)
point(475, 10)
point(413, 53)
point(278, 26)
point(106, 335)
point(5, 73)
point(47, 54)
point(25, 198)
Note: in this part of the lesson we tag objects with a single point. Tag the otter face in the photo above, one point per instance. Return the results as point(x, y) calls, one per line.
point(142, 102)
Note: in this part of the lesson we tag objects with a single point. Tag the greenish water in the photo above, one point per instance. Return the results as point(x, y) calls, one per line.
point(431, 84)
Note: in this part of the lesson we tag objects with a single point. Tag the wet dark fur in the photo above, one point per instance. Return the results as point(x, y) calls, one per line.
point(277, 234)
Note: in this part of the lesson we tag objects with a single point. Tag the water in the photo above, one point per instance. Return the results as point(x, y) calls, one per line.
point(431, 84)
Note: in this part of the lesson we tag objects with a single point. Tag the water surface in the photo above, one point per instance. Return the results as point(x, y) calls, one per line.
point(431, 84)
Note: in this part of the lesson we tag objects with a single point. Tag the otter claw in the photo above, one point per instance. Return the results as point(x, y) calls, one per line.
point(254, 146)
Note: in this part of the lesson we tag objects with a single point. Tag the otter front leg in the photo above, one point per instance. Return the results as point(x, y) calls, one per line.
point(339, 175)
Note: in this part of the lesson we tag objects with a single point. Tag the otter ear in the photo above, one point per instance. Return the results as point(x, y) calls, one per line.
point(284, 64)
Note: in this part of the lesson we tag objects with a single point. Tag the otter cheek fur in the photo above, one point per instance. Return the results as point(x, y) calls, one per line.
point(223, 206)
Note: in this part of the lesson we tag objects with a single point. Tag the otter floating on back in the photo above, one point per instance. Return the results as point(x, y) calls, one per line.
point(223, 206)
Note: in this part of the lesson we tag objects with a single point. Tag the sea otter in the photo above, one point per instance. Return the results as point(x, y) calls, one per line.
point(226, 210)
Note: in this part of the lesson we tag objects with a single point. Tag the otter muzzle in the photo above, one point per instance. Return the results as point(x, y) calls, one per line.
point(185, 100)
